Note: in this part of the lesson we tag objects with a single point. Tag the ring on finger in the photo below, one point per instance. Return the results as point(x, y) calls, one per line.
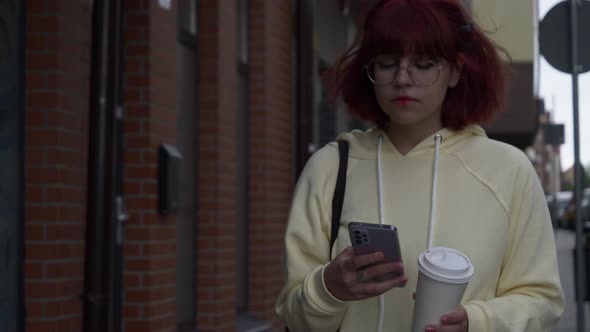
point(361, 275)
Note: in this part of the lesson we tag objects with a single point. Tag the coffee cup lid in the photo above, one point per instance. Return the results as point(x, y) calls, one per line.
point(446, 265)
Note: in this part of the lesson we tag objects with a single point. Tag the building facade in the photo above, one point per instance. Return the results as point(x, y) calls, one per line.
point(109, 89)
point(512, 26)
point(525, 120)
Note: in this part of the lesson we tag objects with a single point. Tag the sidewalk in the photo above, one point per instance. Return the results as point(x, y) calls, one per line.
point(566, 241)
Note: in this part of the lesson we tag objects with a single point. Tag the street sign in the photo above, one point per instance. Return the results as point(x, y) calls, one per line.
point(553, 134)
point(555, 40)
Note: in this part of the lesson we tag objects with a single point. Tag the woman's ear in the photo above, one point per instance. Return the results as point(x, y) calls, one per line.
point(455, 73)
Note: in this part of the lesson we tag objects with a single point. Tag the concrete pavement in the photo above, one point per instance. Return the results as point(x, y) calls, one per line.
point(565, 241)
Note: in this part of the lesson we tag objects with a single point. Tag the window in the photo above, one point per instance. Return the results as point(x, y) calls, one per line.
point(242, 156)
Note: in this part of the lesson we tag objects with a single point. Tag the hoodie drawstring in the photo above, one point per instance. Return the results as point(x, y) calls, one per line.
point(437, 140)
point(381, 218)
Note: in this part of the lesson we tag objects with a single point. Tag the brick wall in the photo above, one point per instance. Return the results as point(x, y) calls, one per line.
point(57, 83)
point(150, 98)
point(57, 88)
point(271, 157)
point(216, 231)
point(272, 163)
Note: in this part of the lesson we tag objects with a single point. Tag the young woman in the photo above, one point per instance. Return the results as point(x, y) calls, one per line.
point(426, 75)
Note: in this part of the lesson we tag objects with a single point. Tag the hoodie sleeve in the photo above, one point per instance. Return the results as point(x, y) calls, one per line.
point(304, 303)
point(528, 295)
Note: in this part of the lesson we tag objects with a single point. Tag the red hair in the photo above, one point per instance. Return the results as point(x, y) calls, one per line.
point(439, 29)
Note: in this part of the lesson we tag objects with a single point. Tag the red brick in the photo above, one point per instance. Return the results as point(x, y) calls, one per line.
point(42, 137)
point(52, 251)
point(156, 249)
point(138, 141)
point(57, 107)
point(35, 325)
point(43, 23)
point(33, 271)
point(34, 193)
point(54, 309)
point(159, 308)
point(137, 325)
point(34, 232)
point(137, 19)
point(64, 270)
point(41, 289)
point(143, 203)
point(70, 324)
point(41, 213)
point(131, 312)
point(138, 80)
point(35, 309)
point(148, 295)
point(131, 250)
point(134, 126)
point(149, 172)
point(161, 278)
point(138, 265)
point(41, 61)
point(60, 119)
point(131, 281)
point(36, 7)
point(71, 213)
point(67, 194)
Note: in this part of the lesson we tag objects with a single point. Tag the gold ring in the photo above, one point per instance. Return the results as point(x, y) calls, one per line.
point(362, 276)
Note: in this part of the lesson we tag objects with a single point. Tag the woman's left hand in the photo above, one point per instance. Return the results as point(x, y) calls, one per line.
point(455, 321)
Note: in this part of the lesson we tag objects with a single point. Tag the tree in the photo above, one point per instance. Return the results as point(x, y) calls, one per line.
point(568, 182)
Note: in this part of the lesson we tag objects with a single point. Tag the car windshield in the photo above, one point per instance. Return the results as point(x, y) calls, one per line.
point(563, 197)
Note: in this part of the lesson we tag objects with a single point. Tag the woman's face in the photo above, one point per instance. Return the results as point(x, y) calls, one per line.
point(411, 90)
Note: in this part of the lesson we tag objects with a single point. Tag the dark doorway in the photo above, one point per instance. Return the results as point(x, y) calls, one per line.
point(12, 25)
point(105, 213)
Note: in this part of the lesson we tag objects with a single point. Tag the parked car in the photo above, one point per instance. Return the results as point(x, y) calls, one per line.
point(563, 199)
point(570, 212)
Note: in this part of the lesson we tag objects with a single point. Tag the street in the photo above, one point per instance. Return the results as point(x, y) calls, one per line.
point(565, 242)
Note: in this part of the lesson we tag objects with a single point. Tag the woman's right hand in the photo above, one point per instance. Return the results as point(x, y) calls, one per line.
point(352, 278)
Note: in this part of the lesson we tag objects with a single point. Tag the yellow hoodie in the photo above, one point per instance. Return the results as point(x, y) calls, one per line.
point(489, 205)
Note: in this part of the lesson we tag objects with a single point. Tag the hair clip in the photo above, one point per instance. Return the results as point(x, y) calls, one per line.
point(468, 27)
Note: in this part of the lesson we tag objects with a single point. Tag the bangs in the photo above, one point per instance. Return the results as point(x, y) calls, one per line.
point(407, 28)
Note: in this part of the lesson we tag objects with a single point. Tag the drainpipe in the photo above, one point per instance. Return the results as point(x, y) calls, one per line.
point(102, 282)
point(305, 58)
point(120, 215)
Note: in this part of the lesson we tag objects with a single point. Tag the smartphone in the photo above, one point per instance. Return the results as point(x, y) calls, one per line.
point(367, 238)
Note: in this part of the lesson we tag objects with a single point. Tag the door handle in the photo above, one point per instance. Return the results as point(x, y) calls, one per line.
point(122, 216)
point(4, 252)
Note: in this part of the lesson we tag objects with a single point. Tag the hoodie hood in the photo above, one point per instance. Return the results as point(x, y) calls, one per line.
point(363, 144)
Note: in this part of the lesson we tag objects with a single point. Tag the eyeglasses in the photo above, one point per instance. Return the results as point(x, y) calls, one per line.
point(385, 68)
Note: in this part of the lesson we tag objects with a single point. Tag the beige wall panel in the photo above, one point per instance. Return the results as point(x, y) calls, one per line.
point(510, 23)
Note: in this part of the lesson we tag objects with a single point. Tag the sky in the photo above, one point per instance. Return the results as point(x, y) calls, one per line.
point(556, 88)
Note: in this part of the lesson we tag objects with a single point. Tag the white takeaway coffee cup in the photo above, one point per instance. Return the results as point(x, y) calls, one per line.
point(442, 279)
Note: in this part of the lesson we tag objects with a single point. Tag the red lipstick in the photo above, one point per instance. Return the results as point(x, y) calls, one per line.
point(403, 100)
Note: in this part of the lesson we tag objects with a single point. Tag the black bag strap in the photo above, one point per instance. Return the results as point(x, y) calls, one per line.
point(339, 190)
point(338, 199)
